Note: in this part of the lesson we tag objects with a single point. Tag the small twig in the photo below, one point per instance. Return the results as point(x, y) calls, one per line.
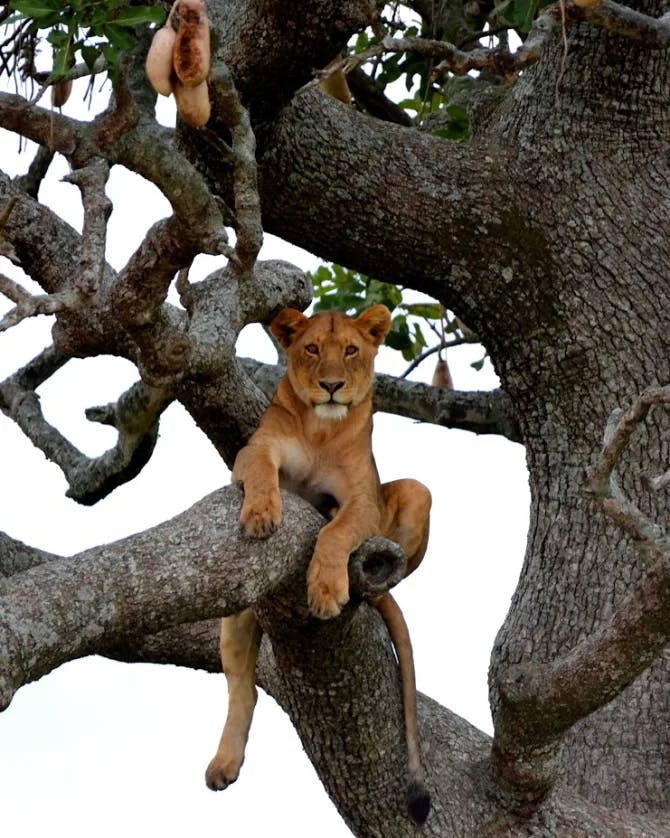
point(433, 349)
point(28, 305)
point(603, 482)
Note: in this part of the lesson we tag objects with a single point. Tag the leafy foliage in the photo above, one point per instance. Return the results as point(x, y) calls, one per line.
point(89, 28)
point(520, 13)
point(428, 102)
point(339, 289)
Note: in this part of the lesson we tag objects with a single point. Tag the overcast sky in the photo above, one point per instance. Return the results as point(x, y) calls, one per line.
point(104, 748)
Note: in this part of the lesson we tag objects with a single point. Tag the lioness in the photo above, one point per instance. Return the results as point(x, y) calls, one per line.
point(315, 439)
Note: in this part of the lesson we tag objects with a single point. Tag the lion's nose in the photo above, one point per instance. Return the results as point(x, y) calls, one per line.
point(331, 386)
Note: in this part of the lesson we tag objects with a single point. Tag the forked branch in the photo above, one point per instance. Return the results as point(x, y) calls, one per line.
point(540, 702)
point(653, 33)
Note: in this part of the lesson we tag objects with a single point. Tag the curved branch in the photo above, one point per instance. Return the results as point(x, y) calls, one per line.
point(653, 33)
point(245, 176)
point(30, 182)
point(45, 127)
point(135, 416)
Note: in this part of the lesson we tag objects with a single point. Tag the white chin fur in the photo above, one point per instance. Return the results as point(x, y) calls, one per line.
point(330, 410)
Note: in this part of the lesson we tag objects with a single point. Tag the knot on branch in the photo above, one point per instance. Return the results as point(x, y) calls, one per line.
point(375, 567)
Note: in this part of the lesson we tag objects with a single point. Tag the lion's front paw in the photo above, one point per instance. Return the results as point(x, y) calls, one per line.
point(222, 772)
point(327, 589)
point(260, 517)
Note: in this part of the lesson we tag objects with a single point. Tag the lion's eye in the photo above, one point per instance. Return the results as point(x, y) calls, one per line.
point(312, 349)
point(351, 350)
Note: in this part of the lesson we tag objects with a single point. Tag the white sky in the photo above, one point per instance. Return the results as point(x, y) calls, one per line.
point(104, 748)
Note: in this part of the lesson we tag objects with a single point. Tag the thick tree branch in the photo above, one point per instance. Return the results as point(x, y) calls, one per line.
point(198, 565)
point(297, 37)
point(219, 395)
point(455, 188)
point(653, 33)
point(45, 127)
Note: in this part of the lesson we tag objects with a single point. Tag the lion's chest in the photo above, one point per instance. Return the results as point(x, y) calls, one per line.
point(312, 474)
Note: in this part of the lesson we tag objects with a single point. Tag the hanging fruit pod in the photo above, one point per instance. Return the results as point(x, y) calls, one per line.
point(442, 375)
point(191, 55)
point(159, 60)
point(193, 104)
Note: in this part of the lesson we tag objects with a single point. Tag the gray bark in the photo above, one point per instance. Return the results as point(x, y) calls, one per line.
point(549, 235)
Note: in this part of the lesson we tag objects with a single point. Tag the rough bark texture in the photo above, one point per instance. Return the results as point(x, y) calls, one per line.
point(549, 234)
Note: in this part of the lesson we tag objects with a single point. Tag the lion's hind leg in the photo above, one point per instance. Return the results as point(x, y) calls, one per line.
point(406, 518)
point(240, 640)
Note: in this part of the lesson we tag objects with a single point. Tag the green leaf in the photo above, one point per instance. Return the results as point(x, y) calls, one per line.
point(36, 9)
point(113, 59)
point(520, 13)
point(139, 15)
point(90, 55)
point(458, 113)
point(362, 42)
point(58, 38)
point(118, 37)
point(477, 365)
point(429, 311)
point(384, 293)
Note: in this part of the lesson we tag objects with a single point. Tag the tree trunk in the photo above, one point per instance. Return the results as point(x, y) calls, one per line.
point(577, 321)
point(549, 234)
point(590, 157)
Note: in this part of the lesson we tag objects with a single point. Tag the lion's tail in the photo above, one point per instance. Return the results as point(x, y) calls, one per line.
point(418, 798)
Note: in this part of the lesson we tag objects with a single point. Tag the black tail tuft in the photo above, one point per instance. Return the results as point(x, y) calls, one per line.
point(418, 802)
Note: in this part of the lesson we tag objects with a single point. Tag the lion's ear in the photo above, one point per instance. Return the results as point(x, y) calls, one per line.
point(286, 324)
point(375, 322)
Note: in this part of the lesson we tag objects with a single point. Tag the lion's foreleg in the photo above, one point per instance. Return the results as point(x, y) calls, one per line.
point(327, 575)
point(240, 640)
point(257, 469)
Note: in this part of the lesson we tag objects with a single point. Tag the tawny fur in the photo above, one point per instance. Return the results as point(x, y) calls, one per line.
point(315, 439)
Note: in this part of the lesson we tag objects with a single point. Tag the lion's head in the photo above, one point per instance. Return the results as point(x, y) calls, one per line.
point(331, 356)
